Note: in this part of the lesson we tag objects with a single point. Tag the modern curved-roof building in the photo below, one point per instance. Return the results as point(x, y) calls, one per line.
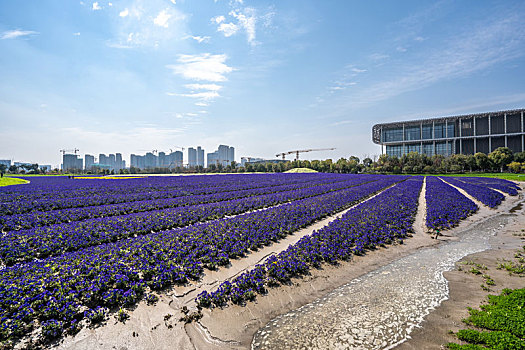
point(462, 134)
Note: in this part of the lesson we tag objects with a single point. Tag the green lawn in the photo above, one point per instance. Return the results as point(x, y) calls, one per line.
point(505, 176)
point(7, 181)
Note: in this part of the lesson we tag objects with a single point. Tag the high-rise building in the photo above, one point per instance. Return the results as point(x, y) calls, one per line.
point(231, 155)
point(103, 159)
point(192, 157)
point(71, 162)
point(175, 159)
point(224, 155)
point(150, 160)
point(462, 134)
point(212, 158)
point(89, 161)
point(119, 163)
point(163, 160)
point(200, 156)
point(137, 161)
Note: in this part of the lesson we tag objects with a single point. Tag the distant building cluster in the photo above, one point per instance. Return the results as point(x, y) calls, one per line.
point(163, 160)
point(224, 155)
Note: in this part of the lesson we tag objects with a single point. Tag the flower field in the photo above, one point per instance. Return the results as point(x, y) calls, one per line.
point(74, 251)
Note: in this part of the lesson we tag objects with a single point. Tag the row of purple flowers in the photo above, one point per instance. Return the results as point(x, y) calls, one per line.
point(41, 242)
point(50, 217)
point(37, 197)
point(384, 219)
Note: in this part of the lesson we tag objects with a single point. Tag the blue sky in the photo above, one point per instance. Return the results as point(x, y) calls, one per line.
point(262, 76)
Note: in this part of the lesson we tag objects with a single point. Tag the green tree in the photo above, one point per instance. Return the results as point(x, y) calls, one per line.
point(515, 167)
point(470, 162)
point(482, 161)
point(501, 157)
point(519, 157)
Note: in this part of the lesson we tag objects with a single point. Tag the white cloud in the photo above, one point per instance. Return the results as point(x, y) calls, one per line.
point(357, 70)
point(96, 6)
point(173, 2)
point(207, 95)
point(212, 87)
point(205, 67)
point(228, 29)
point(247, 20)
point(218, 19)
point(76, 34)
point(13, 34)
point(162, 19)
point(378, 56)
point(401, 49)
point(124, 13)
point(202, 104)
point(200, 39)
point(110, 4)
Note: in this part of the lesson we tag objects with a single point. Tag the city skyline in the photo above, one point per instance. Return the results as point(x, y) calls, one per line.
point(265, 76)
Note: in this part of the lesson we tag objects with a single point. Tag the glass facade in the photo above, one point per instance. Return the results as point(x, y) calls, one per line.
point(412, 133)
point(444, 148)
point(394, 150)
point(427, 132)
point(428, 149)
point(413, 148)
point(439, 131)
point(390, 135)
point(451, 128)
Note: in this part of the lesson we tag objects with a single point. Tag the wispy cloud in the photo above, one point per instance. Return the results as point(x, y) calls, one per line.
point(199, 39)
point(206, 96)
point(211, 87)
point(147, 24)
point(205, 67)
point(13, 34)
point(241, 19)
point(96, 6)
point(475, 49)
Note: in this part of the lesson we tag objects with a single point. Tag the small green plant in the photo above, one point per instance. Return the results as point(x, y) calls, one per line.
point(485, 288)
point(500, 324)
point(475, 271)
point(488, 280)
point(122, 316)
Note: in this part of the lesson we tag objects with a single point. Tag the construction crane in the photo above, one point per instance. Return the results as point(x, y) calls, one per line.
point(182, 148)
point(147, 150)
point(284, 154)
point(69, 150)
